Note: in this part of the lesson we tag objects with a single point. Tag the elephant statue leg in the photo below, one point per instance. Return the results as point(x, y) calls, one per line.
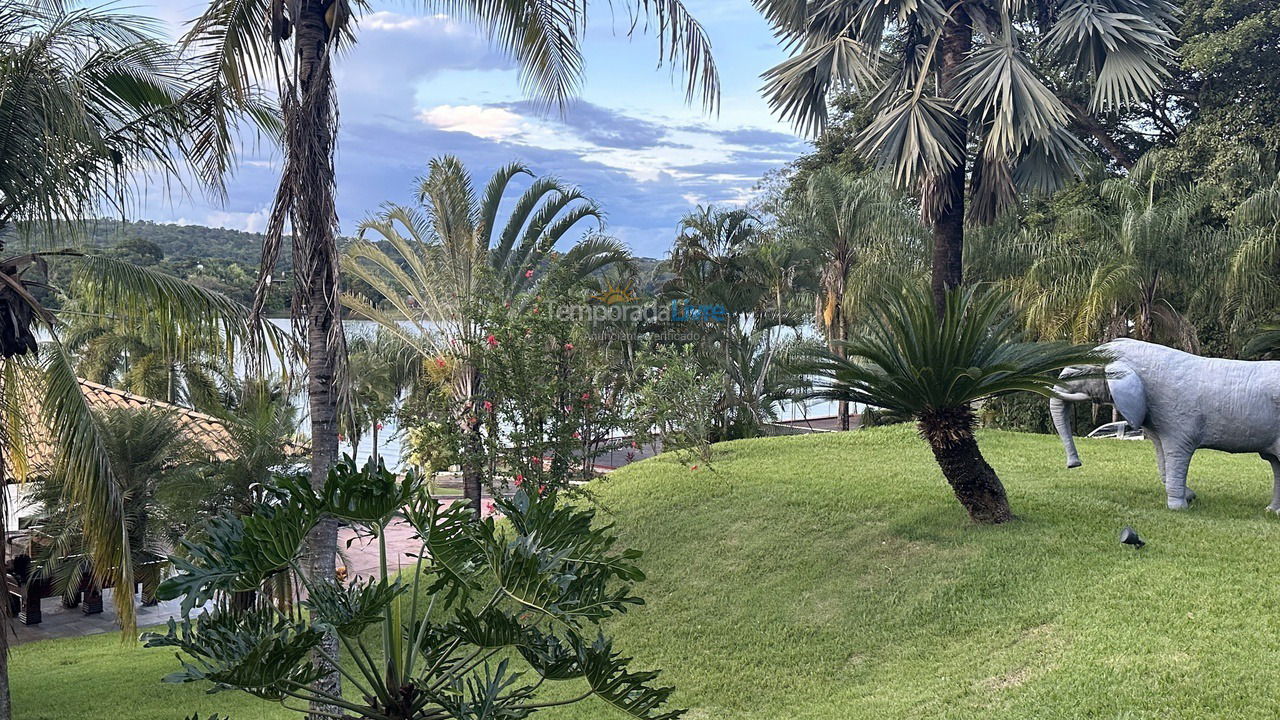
point(1155, 442)
point(1177, 460)
point(1275, 491)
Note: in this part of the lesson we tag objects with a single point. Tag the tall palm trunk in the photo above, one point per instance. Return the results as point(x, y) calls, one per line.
point(472, 487)
point(6, 710)
point(948, 190)
point(310, 130)
point(949, 432)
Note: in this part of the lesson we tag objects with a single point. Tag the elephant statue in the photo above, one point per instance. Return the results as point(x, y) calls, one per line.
point(1183, 402)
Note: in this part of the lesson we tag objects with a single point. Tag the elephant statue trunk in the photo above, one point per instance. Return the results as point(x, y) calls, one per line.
point(1062, 422)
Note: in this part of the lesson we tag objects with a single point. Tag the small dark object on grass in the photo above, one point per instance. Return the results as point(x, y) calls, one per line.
point(1129, 536)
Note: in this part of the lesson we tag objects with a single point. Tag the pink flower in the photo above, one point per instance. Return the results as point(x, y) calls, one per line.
point(489, 507)
point(568, 346)
point(635, 445)
point(488, 406)
point(440, 363)
point(542, 489)
point(528, 273)
point(586, 396)
point(576, 435)
point(493, 341)
point(519, 480)
point(340, 437)
point(379, 426)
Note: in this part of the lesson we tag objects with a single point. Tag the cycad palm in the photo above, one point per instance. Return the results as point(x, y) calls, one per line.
point(933, 368)
point(428, 264)
point(975, 90)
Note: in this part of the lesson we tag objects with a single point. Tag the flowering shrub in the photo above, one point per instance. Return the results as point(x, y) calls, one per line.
point(675, 403)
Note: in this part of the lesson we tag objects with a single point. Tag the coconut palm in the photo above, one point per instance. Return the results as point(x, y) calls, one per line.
point(934, 368)
point(429, 264)
point(972, 90)
point(865, 240)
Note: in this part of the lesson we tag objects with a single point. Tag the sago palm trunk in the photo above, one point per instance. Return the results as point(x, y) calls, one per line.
point(948, 190)
point(949, 432)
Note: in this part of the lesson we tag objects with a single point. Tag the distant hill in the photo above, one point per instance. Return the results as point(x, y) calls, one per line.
point(216, 258)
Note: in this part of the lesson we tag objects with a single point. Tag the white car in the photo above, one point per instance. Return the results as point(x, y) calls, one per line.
point(1120, 430)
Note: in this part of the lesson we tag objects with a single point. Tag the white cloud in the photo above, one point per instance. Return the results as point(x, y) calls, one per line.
point(255, 221)
point(490, 123)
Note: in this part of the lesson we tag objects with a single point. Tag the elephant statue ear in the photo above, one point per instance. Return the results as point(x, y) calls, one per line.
point(1127, 392)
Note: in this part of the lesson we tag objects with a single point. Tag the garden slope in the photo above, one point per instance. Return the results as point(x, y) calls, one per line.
point(833, 576)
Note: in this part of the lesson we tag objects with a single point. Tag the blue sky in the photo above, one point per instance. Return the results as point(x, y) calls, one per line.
point(416, 86)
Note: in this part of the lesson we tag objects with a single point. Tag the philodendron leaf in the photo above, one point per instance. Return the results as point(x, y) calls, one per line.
point(255, 651)
point(451, 537)
point(491, 630)
point(552, 658)
point(237, 553)
point(371, 494)
point(606, 672)
point(352, 608)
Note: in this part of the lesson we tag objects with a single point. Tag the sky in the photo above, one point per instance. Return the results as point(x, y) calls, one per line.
point(416, 86)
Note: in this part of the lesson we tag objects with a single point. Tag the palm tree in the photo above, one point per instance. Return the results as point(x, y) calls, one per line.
point(1145, 263)
point(238, 41)
point(969, 90)
point(89, 97)
point(866, 242)
point(383, 370)
point(135, 357)
point(430, 264)
point(1253, 288)
point(149, 453)
point(913, 362)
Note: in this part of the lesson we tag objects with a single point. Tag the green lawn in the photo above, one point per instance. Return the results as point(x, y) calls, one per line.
point(833, 576)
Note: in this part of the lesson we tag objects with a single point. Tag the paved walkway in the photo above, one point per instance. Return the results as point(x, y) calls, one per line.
point(58, 621)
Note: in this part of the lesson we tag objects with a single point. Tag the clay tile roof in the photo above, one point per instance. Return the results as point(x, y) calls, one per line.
point(206, 430)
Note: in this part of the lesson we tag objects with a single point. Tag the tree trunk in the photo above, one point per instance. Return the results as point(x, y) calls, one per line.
point(950, 435)
point(472, 453)
point(948, 190)
point(835, 343)
point(6, 710)
point(310, 133)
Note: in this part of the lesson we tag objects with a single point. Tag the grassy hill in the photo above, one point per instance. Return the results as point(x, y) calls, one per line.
point(831, 577)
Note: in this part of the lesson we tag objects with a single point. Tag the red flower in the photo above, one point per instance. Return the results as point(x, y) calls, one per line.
point(586, 396)
point(488, 406)
point(695, 467)
point(519, 480)
point(568, 346)
point(493, 341)
point(542, 489)
point(379, 426)
point(340, 438)
point(440, 363)
point(528, 273)
point(576, 435)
